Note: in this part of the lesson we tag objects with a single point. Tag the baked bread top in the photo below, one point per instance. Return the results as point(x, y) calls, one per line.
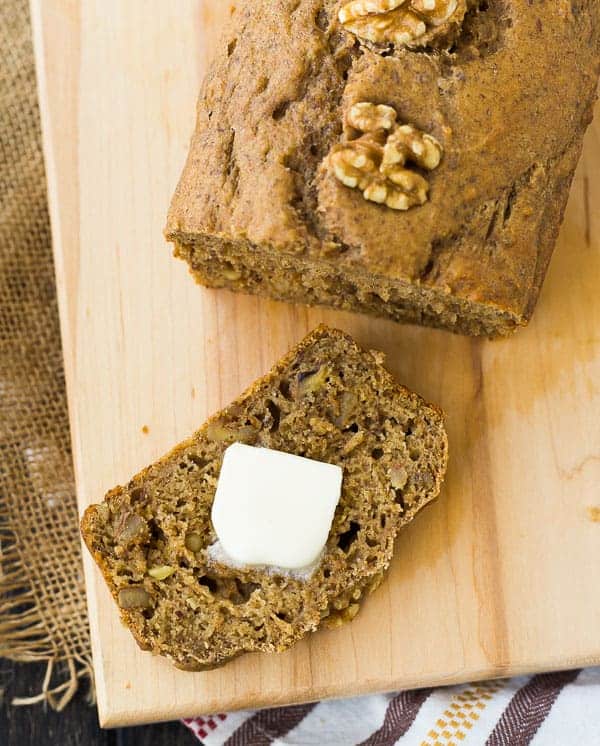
point(507, 92)
point(327, 400)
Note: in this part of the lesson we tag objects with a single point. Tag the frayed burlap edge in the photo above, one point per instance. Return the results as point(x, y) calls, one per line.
point(42, 601)
point(24, 633)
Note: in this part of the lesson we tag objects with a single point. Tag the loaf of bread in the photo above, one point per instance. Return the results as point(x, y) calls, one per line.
point(326, 400)
point(402, 158)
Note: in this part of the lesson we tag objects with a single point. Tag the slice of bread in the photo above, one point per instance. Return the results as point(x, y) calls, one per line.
point(328, 400)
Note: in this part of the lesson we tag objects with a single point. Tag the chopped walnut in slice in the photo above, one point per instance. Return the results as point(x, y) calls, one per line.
point(409, 23)
point(376, 161)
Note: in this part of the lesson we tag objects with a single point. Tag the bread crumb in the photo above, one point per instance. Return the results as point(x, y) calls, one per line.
point(193, 393)
point(128, 685)
point(594, 513)
point(145, 429)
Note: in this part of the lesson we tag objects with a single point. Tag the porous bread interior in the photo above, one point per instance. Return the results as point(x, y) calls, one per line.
point(327, 400)
point(245, 267)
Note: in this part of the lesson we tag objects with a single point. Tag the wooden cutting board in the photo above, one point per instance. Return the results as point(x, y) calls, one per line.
point(499, 577)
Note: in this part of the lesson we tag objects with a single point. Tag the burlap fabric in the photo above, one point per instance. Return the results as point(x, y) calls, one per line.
point(42, 601)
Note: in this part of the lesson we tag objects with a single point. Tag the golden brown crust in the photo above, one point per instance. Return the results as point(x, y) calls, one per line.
point(509, 101)
point(326, 399)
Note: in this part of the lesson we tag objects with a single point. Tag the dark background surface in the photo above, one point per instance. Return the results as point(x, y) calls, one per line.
point(77, 725)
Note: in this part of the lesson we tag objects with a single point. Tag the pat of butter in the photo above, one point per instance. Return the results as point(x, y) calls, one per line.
point(273, 508)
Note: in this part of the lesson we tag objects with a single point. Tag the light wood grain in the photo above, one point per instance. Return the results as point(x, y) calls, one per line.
point(500, 576)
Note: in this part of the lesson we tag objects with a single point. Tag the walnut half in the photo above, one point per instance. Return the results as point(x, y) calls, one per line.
point(409, 23)
point(376, 160)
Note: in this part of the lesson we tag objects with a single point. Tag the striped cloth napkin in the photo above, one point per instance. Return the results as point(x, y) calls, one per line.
point(557, 709)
